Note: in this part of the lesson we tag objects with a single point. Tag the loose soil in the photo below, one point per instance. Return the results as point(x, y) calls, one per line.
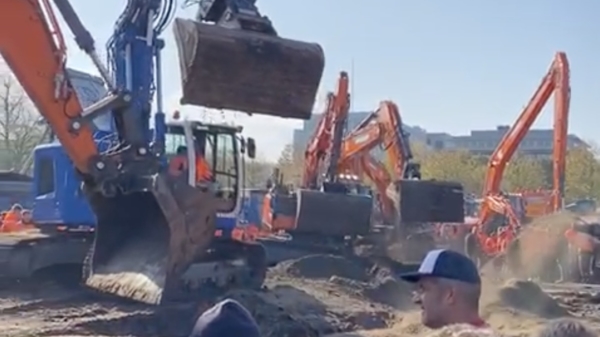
point(312, 296)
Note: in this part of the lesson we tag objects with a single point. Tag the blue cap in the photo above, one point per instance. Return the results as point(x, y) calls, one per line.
point(447, 264)
point(226, 318)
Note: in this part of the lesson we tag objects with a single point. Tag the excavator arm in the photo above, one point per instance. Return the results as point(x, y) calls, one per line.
point(556, 81)
point(37, 57)
point(401, 189)
point(138, 205)
point(326, 142)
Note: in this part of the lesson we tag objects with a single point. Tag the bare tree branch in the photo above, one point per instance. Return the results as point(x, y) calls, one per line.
point(19, 132)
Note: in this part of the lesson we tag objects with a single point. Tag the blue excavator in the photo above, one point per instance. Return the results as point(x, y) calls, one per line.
point(158, 237)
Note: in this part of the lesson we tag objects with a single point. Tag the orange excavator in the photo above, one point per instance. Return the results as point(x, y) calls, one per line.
point(328, 209)
point(408, 203)
point(499, 221)
point(322, 206)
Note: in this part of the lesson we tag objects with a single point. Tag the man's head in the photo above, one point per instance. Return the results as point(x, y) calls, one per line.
point(566, 328)
point(226, 318)
point(448, 288)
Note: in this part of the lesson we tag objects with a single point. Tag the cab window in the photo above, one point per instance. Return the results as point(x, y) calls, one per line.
point(219, 152)
point(172, 143)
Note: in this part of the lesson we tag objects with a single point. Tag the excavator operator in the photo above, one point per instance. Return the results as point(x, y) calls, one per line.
point(179, 165)
point(203, 172)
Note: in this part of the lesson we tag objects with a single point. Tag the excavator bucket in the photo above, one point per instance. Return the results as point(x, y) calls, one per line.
point(428, 201)
point(146, 241)
point(245, 71)
point(333, 214)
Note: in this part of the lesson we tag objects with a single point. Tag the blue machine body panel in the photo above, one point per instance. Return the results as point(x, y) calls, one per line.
point(252, 206)
point(57, 197)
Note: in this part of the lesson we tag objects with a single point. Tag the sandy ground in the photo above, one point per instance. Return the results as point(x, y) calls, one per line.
point(340, 298)
point(314, 296)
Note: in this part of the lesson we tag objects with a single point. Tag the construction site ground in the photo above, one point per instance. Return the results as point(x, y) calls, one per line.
point(312, 296)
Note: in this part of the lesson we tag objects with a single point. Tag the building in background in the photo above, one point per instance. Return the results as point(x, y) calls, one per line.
point(537, 142)
point(483, 142)
point(301, 136)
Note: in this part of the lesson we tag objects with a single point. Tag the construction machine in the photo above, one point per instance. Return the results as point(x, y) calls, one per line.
point(499, 219)
point(154, 238)
point(409, 204)
point(322, 213)
point(329, 210)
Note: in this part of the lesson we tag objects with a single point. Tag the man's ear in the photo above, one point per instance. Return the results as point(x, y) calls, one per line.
point(450, 295)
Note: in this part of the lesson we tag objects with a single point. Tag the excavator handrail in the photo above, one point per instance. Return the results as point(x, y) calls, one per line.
point(56, 33)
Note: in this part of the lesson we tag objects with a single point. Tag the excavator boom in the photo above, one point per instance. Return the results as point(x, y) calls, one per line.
point(405, 197)
point(38, 62)
point(495, 204)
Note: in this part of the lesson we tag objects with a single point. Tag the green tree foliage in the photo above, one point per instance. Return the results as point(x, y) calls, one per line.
point(583, 174)
point(524, 173)
point(457, 166)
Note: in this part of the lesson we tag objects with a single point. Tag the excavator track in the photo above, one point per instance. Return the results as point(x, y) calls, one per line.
point(34, 256)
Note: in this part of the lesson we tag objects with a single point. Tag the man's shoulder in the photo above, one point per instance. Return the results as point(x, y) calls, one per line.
point(464, 330)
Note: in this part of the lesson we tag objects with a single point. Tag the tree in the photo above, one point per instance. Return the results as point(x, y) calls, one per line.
point(582, 175)
point(459, 166)
point(290, 163)
point(524, 173)
point(19, 130)
point(257, 173)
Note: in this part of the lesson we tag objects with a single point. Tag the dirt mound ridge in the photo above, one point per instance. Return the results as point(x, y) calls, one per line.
point(528, 296)
point(535, 252)
point(358, 276)
point(325, 266)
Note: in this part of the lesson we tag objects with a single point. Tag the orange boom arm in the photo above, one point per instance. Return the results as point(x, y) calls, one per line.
point(33, 46)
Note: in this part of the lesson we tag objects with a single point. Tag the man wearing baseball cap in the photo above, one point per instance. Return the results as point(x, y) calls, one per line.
point(448, 289)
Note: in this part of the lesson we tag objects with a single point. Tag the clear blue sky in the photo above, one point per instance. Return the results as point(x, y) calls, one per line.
point(451, 66)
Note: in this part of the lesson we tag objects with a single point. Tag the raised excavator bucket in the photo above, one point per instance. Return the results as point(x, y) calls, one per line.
point(333, 214)
point(246, 71)
point(146, 242)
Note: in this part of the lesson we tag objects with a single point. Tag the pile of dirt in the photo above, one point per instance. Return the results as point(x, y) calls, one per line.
point(360, 277)
point(529, 297)
point(536, 251)
point(319, 266)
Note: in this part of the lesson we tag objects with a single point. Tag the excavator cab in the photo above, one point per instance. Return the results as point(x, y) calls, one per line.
point(143, 250)
point(232, 58)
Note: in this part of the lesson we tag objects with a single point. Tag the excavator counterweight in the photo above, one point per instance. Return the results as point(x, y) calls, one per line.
point(247, 71)
point(333, 214)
